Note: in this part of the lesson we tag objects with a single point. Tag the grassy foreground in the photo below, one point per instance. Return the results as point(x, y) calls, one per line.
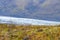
point(29, 32)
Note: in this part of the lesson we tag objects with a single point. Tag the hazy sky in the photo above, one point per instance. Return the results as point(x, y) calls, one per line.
point(37, 9)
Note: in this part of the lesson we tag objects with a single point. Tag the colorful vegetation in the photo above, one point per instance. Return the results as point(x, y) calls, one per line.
point(29, 32)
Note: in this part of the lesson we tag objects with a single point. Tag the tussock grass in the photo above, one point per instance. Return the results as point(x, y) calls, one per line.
point(29, 32)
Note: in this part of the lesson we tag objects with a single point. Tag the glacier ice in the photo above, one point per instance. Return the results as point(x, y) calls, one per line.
point(13, 20)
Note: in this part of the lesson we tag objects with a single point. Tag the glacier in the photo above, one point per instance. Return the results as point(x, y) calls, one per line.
point(14, 20)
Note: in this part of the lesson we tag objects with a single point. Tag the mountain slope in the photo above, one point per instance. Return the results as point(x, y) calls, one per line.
point(12, 20)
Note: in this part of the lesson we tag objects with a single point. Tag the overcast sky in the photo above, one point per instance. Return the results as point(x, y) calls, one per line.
point(36, 9)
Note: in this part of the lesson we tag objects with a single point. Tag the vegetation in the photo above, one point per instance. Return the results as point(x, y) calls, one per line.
point(29, 32)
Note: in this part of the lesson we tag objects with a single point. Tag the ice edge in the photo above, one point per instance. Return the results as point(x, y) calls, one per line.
point(13, 20)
